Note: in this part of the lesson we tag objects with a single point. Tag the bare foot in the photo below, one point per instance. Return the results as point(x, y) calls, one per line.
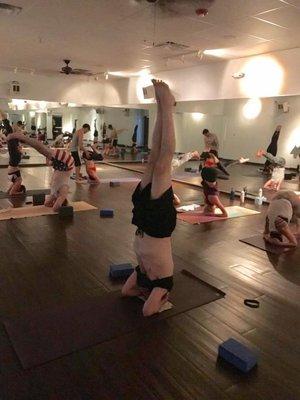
point(163, 93)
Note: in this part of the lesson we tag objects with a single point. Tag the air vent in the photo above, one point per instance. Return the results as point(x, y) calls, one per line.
point(8, 9)
point(172, 46)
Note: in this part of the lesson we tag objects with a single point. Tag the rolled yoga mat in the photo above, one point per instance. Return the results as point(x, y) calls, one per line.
point(39, 337)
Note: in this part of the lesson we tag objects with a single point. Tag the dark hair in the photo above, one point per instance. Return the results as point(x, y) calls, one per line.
point(110, 126)
point(86, 126)
point(20, 123)
point(209, 174)
point(205, 131)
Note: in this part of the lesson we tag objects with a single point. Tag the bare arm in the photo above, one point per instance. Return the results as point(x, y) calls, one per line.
point(215, 200)
point(2, 115)
point(36, 144)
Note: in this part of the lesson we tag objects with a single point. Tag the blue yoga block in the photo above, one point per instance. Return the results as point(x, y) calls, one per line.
point(188, 169)
point(238, 355)
point(117, 271)
point(194, 170)
point(107, 213)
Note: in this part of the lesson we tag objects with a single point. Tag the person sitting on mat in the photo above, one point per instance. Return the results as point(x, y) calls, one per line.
point(278, 172)
point(63, 165)
point(15, 155)
point(154, 213)
point(89, 157)
point(211, 192)
point(284, 208)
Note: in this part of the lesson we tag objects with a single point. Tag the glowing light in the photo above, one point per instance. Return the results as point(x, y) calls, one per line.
point(215, 52)
point(197, 116)
point(252, 108)
point(263, 77)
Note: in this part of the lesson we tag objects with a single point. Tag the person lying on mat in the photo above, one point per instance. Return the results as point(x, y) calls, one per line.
point(278, 165)
point(283, 210)
point(15, 155)
point(63, 165)
point(211, 192)
point(154, 213)
point(89, 156)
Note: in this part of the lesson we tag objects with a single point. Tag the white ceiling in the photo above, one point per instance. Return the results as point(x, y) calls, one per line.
point(117, 35)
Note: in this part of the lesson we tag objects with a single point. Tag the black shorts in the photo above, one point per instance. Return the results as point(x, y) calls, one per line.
point(155, 217)
point(76, 157)
point(115, 143)
point(13, 176)
point(106, 140)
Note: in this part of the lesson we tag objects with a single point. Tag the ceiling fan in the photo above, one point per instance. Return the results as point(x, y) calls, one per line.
point(67, 70)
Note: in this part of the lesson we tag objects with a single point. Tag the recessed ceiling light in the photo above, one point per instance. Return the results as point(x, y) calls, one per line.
point(9, 9)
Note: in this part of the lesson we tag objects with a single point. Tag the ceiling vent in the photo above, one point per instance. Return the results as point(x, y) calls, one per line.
point(171, 46)
point(9, 9)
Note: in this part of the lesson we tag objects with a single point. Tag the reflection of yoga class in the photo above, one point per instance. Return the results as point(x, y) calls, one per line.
point(150, 200)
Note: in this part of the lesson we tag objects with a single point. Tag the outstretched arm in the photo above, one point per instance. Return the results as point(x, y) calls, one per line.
point(36, 144)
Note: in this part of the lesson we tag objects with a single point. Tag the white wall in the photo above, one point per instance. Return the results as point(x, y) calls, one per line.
point(55, 88)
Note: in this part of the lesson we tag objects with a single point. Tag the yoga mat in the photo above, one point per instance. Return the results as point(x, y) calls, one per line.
point(40, 337)
point(4, 195)
point(259, 242)
point(197, 217)
point(37, 211)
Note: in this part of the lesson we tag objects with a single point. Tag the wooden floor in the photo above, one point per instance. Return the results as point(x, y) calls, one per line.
point(45, 262)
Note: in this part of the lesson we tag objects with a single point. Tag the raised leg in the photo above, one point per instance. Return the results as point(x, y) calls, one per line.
point(161, 179)
point(155, 148)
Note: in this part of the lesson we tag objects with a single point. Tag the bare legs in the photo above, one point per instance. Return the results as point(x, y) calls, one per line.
point(163, 143)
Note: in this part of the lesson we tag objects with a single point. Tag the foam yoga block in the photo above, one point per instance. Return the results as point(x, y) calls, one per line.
point(38, 199)
point(194, 170)
point(188, 169)
point(107, 213)
point(238, 355)
point(66, 211)
point(117, 271)
point(114, 183)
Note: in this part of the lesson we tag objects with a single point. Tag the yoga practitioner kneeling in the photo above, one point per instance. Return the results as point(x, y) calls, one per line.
point(154, 213)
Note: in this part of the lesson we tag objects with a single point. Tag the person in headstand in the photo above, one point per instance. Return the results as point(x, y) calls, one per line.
point(154, 213)
point(278, 171)
point(284, 209)
point(211, 192)
point(272, 149)
point(15, 155)
point(63, 165)
point(89, 157)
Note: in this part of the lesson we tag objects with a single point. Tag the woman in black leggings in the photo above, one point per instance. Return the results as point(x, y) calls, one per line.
point(272, 148)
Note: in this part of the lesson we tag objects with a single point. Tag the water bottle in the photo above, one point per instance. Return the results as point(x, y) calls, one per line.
point(232, 194)
point(242, 196)
point(260, 192)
